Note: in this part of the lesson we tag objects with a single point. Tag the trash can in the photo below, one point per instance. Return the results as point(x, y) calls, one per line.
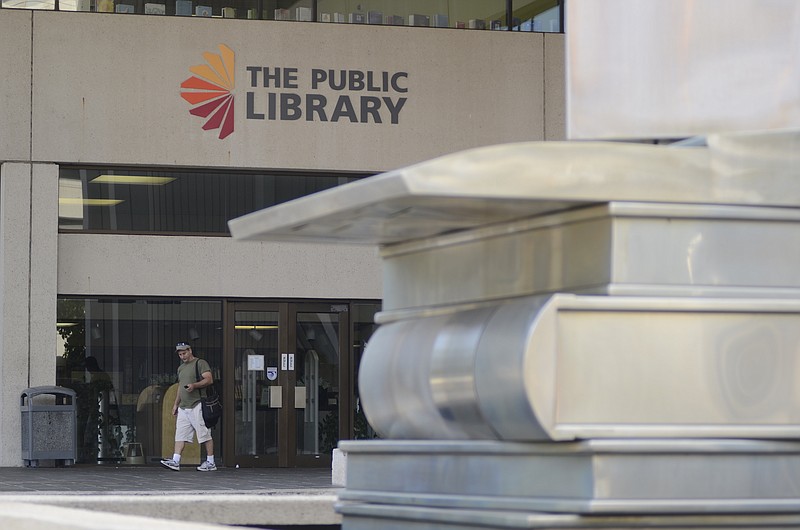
point(134, 454)
point(49, 430)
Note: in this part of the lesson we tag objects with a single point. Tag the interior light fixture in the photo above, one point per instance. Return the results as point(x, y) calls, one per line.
point(77, 201)
point(66, 324)
point(255, 327)
point(135, 180)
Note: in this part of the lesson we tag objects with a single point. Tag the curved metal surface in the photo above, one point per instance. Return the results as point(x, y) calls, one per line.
point(394, 382)
point(500, 368)
point(453, 372)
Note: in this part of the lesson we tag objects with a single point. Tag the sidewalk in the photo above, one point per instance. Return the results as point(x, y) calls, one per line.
point(228, 496)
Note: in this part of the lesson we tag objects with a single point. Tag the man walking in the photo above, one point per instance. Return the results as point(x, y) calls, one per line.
point(188, 409)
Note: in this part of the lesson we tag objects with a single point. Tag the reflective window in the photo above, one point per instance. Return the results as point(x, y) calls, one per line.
point(118, 355)
point(527, 15)
point(537, 15)
point(488, 14)
point(170, 201)
point(317, 386)
point(363, 321)
point(257, 391)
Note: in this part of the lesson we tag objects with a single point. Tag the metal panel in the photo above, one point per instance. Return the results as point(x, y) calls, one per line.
point(367, 516)
point(569, 251)
point(590, 477)
point(662, 68)
point(631, 248)
point(708, 246)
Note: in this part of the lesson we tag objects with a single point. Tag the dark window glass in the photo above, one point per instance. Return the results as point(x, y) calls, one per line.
point(363, 322)
point(136, 201)
point(119, 356)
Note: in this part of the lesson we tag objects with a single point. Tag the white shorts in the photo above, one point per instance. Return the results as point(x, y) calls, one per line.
point(191, 421)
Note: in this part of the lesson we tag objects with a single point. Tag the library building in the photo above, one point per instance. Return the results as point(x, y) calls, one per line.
point(132, 131)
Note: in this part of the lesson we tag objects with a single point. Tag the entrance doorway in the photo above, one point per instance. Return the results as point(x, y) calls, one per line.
point(274, 416)
point(289, 367)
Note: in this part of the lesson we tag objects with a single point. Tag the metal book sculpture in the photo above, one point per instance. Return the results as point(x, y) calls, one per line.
point(583, 334)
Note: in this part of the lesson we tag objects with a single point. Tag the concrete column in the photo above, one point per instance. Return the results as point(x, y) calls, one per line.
point(28, 239)
point(15, 84)
point(43, 274)
point(555, 103)
point(15, 182)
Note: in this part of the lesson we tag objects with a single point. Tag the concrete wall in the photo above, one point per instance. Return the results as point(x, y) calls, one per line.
point(214, 266)
point(15, 85)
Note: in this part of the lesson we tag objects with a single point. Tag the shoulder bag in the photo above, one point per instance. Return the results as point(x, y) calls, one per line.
point(212, 406)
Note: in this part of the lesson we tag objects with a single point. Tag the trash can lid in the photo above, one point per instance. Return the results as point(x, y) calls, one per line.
point(35, 391)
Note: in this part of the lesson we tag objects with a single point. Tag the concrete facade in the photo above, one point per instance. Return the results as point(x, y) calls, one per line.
point(102, 89)
point(91, 74)
point(15, 85)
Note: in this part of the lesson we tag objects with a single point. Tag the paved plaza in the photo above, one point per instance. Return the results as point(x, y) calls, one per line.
point(264, 498)
point(154, 480)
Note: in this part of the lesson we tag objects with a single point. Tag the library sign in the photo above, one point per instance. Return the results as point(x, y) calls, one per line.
point(292, 94)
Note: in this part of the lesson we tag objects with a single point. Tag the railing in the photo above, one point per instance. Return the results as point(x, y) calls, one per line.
point(507, 15)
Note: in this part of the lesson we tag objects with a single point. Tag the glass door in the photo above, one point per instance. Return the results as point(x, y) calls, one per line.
point(258, 385)
point(290, 382)
point(321, 381)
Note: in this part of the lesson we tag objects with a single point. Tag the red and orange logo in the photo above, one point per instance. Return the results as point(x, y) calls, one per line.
point(209, 91)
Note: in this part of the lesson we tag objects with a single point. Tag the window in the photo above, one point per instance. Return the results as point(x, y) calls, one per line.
point(132, 200)
point(119, 357)
point(537, 15)
point(526, 15)
point(363, 322)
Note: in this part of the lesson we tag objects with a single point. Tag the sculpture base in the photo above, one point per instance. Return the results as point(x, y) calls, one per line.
point(587, 484)
point(361, 516)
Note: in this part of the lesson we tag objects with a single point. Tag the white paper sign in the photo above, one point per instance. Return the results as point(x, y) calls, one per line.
point(284, 361)
point(255, 362)
point(291, 361)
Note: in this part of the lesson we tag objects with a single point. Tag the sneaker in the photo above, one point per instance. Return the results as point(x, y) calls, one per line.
point(207, 466)
point(173, 465)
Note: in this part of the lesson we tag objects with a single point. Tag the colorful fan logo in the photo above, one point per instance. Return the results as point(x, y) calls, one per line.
point(209, 91)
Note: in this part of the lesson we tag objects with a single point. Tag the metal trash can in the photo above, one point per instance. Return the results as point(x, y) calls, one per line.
point(134, 454)
point(49, 425)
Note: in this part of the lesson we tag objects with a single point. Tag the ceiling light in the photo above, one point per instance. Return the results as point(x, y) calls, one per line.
point(71, 201)
point(132, 179)
point(255, 327)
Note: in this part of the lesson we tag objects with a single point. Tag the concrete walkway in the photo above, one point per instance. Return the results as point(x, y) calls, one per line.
point(228, 496)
